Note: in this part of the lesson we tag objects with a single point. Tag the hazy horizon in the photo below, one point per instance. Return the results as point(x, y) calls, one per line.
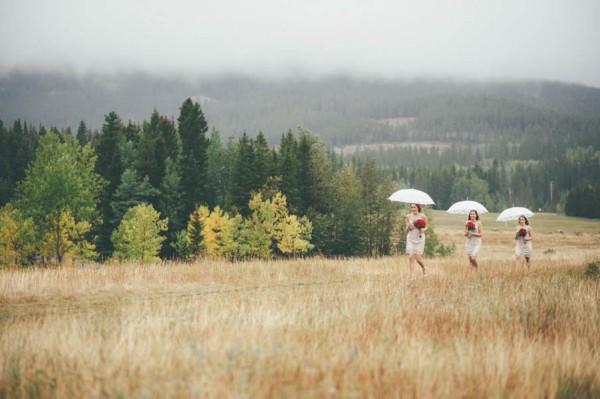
point(474, 40)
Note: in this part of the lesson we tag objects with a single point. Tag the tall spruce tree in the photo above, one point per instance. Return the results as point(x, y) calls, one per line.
point(192, 130)
point(110, 167)
point(150, 160)
point(288, 168)
point(83, 134)
point(242, 176)
point(217, 171)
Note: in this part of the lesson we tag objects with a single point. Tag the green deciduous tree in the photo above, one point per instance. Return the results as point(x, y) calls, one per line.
point(61, 179)
point(138, 237)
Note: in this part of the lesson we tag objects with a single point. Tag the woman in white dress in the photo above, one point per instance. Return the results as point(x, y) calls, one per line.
point(523, 237)
point(415, 238)
point(473, 232)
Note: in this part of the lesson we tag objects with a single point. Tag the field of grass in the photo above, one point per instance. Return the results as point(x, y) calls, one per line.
point(315, 328)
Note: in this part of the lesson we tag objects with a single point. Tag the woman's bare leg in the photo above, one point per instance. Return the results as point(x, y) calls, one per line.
point(421, 263)
point(473, 262)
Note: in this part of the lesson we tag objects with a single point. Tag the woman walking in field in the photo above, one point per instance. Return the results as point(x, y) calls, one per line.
point(523, 237)
point(473, 232)
point(416, 226)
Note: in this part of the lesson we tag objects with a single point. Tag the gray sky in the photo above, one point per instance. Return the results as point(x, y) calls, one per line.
point(540, 39)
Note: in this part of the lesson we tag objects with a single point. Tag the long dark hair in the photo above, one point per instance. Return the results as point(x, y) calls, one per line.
point(526, 220)
point(476, 215)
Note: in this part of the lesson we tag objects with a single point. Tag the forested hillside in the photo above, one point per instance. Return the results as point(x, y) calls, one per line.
point(238, 168)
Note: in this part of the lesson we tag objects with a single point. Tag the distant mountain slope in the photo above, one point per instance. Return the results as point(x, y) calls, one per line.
point(341, 110)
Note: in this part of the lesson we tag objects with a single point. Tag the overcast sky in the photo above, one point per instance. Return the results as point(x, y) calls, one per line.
point(522, 39)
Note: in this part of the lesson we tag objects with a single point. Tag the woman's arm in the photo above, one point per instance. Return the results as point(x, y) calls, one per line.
point(530, 237)
point(480, 230)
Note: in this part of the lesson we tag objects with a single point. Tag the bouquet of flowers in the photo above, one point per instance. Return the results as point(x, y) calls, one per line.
point(419, 224)
point(470, 227)
point(521, 233)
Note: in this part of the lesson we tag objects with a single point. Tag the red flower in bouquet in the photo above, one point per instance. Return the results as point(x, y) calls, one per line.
point(470, 227)
point(419, 224)
point(521, 233)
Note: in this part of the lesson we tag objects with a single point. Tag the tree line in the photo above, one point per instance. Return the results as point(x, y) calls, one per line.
point(91, 194)
point(168, 189)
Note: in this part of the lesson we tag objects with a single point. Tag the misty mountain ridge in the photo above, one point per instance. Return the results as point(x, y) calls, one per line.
point(341, 110)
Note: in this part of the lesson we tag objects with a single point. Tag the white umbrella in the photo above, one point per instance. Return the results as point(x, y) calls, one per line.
point(513, 214)
point(412, 196)
point(464, 207)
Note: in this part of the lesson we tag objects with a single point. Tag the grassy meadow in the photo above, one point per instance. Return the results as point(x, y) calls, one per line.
point(315, 328)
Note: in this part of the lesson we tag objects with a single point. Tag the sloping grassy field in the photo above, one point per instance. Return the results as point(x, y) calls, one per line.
point(315, 328)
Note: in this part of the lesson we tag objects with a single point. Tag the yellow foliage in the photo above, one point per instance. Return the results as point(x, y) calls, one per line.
point(66, 240)
point(17, 240)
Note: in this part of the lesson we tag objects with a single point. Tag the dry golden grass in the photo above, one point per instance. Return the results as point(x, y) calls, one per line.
point(310, 328)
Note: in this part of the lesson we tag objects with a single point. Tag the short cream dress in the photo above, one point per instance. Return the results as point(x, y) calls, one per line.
point(473, 244)
point(522, 247)
point(414, 243)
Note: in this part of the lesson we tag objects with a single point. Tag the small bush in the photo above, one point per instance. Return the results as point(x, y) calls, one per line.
point(592, 270)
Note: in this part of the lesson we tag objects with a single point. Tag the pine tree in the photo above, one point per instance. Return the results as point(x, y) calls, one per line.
point(192, 130)
point(347, 213)
point(83, 134)
point(217, 175)
point(169, 203)
point(194, 230)
point(242, 176)
point(131, 192)
point(263, 161)
point(150, 160)
point(289, 169)
point(110, 167)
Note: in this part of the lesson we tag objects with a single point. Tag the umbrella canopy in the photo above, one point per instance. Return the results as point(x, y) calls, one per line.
point(464, 207)
point(412, 196)
point(513, 214)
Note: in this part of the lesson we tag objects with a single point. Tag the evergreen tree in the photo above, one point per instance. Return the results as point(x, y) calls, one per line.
point(242, 176)
point(263, 160)
point(217, 176)
point(380, 218)
point(192, 130)
point(347, 213)
point(110, 167)
point(131, 192)
point(6, 183)
point(150, 160)
point(169, 203)
point(83, 134)
point(289, 169)
point(195, 225)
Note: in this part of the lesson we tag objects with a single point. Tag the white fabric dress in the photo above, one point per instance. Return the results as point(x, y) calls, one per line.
point(414, 243)
point(522, 247)
point(473, 244)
